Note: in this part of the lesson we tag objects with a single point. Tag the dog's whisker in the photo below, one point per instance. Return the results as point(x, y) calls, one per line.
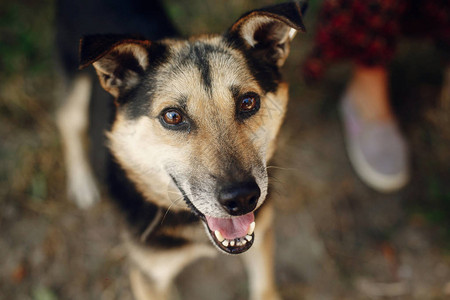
point(173, 203)
point(165, 214)
point(273, 177)
point(281, 168)
point(170, 206)
point(173, 192)
point(276, 182)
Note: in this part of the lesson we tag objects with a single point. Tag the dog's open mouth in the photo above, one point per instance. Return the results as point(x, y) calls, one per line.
point(233, 235)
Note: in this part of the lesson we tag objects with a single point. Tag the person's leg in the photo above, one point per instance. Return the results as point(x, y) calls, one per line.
point(364, 31)
point(376, 147)
point(369, 93)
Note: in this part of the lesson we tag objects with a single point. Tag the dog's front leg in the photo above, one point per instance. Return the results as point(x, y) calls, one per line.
point(153, 271)
point(72, 121)
point(259, 259)
point(146, 289)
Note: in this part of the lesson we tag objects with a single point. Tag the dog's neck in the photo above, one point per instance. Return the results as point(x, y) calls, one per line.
point(142, 216)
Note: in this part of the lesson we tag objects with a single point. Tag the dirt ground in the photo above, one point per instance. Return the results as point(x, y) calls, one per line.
point(336, 238)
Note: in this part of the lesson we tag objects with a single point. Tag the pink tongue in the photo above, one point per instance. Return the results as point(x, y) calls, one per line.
point(230, 229)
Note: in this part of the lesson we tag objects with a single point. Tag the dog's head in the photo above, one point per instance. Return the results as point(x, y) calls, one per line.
point(197, 118)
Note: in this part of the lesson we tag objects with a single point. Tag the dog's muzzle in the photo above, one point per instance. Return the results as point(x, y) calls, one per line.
point(235, 234)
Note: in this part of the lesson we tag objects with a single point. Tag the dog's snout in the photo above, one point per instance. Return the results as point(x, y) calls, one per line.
point(240, 199)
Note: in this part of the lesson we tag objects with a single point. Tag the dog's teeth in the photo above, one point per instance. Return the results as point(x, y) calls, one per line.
point(232, 243)
point(238, 242)
point(251, 228)
point(219, 236)
point(243, 241)
point(225, 243)
point(248, 238)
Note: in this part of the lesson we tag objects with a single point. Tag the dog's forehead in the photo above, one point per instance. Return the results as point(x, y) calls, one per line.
point(203, 69)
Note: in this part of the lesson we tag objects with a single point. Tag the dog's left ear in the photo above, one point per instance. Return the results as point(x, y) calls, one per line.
point(267, 32)
point(119, 60)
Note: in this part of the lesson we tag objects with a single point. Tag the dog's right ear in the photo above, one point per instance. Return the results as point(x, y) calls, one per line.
point(118, 60)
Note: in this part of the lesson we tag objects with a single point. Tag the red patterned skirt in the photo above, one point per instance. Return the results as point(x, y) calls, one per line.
point(366, 31)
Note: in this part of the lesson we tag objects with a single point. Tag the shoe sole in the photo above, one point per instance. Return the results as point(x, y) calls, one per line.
point(380, 182)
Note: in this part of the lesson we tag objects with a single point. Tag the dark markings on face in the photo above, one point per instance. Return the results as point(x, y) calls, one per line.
point(198, 55)
point(229, 166)
point(235, 170)
point(186, 198)
point(137, 102)
point(266, 73)
point(235, 91)
point(182, 102)
point(201, 62)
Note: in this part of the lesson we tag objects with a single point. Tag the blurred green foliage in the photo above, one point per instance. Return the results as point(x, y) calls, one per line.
point(25, 36)
point(44, 293)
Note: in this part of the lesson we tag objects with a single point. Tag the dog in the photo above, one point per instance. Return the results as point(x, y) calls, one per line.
point(192, 127)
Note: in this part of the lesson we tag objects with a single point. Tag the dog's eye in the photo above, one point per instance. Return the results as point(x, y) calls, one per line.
point(175, 119)
point(248, 105)
point(172, 117)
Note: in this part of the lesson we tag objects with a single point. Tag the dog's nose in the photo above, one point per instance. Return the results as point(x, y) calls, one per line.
point(239, 199)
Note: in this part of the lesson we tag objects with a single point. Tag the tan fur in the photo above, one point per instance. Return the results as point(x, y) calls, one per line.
point(146, 149)
point(152, 272)
point(161, 266)
point(178, 169)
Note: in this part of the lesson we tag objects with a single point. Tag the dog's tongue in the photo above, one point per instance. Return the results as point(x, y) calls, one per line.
point(233, 228)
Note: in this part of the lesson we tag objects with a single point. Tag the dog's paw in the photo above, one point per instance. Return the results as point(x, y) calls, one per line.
point(82, 188)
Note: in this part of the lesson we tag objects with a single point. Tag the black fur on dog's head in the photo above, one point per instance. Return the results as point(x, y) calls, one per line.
point(197, 118)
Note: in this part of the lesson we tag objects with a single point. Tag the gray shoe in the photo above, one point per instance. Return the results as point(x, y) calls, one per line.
point(377, 150)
